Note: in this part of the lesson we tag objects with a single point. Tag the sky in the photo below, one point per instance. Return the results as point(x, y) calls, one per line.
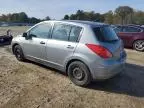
point(56, 9)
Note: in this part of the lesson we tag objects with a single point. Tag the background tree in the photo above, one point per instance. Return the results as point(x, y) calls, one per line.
point(122, 15)
point(98, 17)
point(123, 12)
point(72, 17)
point(90, 16)
point(34, 20)
point(22, 17)
point(109, 17)
point(47, 18)
point(138, 18)
point(66, 17)
point(80, 15)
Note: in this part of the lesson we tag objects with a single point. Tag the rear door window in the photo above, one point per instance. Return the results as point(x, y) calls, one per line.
point(61, 32)
point(105, 34)
point(66, 32)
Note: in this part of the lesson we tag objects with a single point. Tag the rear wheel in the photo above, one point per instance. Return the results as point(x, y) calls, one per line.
point(79, 74)
point(19, 53)
point(139, 45)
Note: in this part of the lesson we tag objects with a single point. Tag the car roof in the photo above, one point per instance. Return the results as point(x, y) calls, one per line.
point(81, 22)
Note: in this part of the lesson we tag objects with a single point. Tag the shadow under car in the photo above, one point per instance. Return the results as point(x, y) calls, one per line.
point(129, 82)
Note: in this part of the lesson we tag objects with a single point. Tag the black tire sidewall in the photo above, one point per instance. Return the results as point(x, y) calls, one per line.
point(21, 58)
point(87, 77)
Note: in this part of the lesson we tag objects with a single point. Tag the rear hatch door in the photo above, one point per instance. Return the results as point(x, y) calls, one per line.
point(107, 37)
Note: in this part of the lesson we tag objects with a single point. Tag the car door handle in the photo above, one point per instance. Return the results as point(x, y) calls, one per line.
point(42, 42)
point(70, 47)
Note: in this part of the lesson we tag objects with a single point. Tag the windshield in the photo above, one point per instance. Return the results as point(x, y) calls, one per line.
point(105, 34)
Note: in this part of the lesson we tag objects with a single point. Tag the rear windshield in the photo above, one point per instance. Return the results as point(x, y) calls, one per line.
point(105, 34)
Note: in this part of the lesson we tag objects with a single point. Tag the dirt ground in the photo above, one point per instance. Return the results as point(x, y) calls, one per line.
point(16, 30)
point(30, 85)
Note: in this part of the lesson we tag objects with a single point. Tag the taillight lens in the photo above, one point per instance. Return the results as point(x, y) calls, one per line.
point(100, 50)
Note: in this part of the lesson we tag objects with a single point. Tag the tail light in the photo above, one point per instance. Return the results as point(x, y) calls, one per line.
point(100, 50)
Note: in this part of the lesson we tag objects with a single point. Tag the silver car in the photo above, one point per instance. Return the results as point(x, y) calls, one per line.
point(85, 50)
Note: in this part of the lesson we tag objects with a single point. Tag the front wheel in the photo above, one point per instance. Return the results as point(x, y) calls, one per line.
point(139, 45)
point(79, 73)
point(19, 53)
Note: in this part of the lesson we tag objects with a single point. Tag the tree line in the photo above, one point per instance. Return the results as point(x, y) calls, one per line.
point(121, 15)
point(21, 17)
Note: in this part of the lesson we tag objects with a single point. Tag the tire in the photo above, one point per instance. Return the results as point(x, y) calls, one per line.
point(19, 53)
point(138, 45)
point(79, 73)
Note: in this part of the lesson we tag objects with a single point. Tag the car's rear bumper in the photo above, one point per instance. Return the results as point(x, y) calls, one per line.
point(108, 69)
point(106, 72)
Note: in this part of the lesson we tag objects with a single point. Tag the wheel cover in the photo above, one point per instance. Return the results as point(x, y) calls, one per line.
point(17, 53)
point(139, 45)
point(78, 73)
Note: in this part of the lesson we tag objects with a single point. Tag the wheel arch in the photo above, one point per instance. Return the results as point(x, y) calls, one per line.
point(73, 60)
point(136, 40)
point(13, 46)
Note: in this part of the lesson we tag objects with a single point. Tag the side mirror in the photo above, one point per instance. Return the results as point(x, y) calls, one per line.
point(25, 35)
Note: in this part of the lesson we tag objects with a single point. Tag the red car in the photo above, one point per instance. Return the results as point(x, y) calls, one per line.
point(132, 36)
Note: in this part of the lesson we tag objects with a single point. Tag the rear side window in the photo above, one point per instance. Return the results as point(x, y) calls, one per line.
point(74, 34)
point(131, 29)
point(105, 34)
point(66, 32)
point(61, 32)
